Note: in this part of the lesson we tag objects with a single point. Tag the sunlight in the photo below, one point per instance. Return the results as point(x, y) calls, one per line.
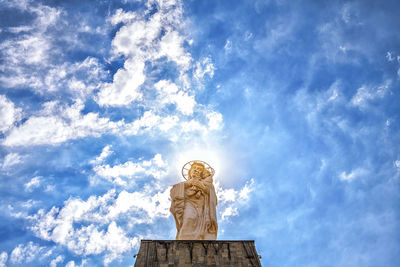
point(212, 157)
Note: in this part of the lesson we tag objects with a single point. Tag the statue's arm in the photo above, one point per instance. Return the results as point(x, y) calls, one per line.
point(204, 185)
point(177, 204)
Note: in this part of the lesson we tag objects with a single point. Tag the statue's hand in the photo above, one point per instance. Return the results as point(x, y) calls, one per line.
point(198, 184)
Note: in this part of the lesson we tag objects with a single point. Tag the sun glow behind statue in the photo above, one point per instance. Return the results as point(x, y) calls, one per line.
point(212, 157)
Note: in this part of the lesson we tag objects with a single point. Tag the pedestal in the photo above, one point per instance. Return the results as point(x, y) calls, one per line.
point(168, 253)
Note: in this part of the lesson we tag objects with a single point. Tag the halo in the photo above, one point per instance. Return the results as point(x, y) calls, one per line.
point(188, 165)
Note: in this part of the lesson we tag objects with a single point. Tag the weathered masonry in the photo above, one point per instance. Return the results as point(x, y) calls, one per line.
point(167, 253)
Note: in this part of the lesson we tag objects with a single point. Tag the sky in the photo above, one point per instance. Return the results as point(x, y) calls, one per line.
point(295, 104)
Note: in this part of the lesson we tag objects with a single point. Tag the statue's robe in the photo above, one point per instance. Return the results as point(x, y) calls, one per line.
point(194, 210)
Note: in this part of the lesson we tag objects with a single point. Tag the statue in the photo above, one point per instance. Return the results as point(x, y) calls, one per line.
point(194, 203)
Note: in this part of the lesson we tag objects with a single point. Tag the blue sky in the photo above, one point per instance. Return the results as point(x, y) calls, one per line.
point(294, 104)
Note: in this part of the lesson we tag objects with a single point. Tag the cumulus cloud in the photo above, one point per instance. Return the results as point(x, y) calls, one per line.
point(58, 123)
point(121, 174)
point(25, 253)
point(146, 123)
point(104, 154)
point(144, 39)
point(170, 93)
point(9, 114)
point(63, 124)
point(91, 227)
point(150, 37)
point(3, 258)
point(58, 259)
point(152, 40)
point(175, 127)
point(125, 86)
point(121, 16)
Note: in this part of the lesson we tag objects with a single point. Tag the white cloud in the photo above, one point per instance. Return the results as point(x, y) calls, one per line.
point(314, 105)
point(91, 227)
point(33, 183)
point(230, 200)
point(68, 124)
point(122, 174)
point(397, 164)
point(203, 68)
point(228, 212)
point(32, 57)
point(146, 123)
point(344, 176)
point(144, 40)
point(335, 47)
point(347, 176)
point(215, 121)
point(153, 206)
point(169, 93)
point(350, 13)
point(32, 48)
point(91, 238)
point(125, 86)
point(228, 46)
point(25, 254)
point(390, 56)
point(122, 16)
point(79, 78)
point(11, 159)
point(104, 154)
point(248, 35)
point(8, 114)
point(3, 259)
point(171, 46)
point(367, 93)
point(56, 123)
point(57, 260)
point(244, 193)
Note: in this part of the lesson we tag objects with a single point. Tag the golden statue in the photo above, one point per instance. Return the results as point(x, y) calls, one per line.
point(194, 203)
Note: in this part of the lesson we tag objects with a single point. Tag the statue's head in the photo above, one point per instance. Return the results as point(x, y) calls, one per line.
point(198, 171)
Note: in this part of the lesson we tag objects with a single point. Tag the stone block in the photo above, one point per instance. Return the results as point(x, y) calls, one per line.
point(168, 253)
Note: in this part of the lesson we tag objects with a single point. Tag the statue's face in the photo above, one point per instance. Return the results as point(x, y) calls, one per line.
point(196, 171)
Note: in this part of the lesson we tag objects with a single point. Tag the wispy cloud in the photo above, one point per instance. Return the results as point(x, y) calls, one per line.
point(9, 114)
point(101, 105)
point(33, 183)
point(11, 160)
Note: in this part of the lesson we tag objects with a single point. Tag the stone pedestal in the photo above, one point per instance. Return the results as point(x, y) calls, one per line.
point(167, 253)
